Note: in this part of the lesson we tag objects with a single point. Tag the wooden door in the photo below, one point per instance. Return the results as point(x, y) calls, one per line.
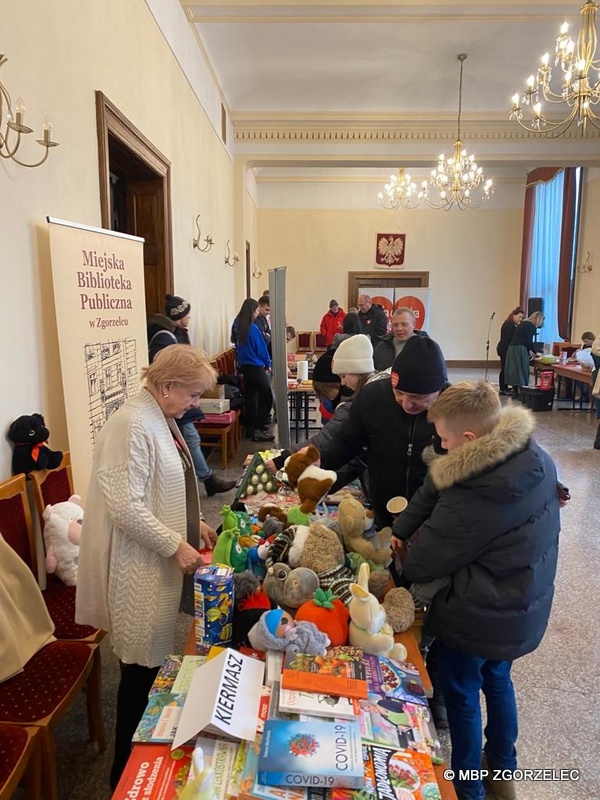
point(145, 217)
point(383, 279)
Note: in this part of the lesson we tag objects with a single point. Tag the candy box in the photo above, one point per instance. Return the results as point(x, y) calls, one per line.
point(213, 606)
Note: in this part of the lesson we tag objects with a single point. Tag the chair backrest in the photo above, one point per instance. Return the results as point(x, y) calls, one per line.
point(320, 342)
point(52, 485)
point(305, 341)
point(16, 525)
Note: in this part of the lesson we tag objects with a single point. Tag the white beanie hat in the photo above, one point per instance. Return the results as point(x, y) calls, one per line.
point(354, 356)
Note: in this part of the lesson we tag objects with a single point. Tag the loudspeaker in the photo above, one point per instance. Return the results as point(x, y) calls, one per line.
point(535, 304)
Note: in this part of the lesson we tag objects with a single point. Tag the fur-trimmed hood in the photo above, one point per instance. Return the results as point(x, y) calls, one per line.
point(509, 437)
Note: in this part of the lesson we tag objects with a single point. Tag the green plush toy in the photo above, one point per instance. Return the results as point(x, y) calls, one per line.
point(229, 551)
point(236, 519)
point(297, 517)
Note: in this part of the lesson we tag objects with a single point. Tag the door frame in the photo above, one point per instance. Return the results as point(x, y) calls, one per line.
point(355, 279)
point(110, 121)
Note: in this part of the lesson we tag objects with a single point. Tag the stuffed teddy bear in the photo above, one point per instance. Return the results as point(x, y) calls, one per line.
point(310, 481)
point(369, 628)
point(276, 630)
point(62, 534)
point(289, 587)
point(320, 549)
point(30, 437)
point(355, 524)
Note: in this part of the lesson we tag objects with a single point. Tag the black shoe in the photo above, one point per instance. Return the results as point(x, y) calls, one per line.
point(214, 485)
point(261, 436)
point(438, 710)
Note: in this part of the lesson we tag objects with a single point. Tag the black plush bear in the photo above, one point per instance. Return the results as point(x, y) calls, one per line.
point(29, 435)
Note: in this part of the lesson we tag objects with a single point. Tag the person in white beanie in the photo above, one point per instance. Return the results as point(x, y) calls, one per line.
point(353, 362)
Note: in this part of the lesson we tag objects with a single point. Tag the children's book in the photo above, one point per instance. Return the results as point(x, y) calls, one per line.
point(299, 754)
point(223, 698)
point(400, 724)
point(389, 678)
point(219, 756)
point(159, 722)
point(341, 673)
point(292, 701)
point(393, 774)
point(166, 675)
point(184, 677)
point(155, 771)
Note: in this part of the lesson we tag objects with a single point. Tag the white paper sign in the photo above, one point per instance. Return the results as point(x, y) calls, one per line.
point(224, 698)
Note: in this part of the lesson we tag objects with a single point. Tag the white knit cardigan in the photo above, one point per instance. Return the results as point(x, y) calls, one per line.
point(135, 518)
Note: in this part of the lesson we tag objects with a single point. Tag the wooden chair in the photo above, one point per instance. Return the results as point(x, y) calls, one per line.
point(42, 693)
point(305, 341)
point(221, 436)
point(320, 342)
point(52, 485)
point(17, 529)
point(20, 761)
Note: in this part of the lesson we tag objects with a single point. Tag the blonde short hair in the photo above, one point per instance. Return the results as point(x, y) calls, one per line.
point(469, 405)
point(180, 363)
point(537, 318)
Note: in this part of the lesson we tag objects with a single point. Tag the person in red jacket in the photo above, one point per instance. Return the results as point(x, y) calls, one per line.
point(332, 322)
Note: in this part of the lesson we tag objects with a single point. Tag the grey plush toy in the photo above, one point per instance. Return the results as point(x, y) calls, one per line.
point(276, 630)
point(289, 587)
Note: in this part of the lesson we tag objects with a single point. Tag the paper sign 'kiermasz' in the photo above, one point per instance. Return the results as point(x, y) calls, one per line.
point(223, 698)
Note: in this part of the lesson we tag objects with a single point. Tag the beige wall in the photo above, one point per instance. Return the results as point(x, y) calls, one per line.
point(472, 257)
point(60, 52)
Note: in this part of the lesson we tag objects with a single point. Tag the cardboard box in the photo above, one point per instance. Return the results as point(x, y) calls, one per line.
point(210, 406)
point(218, 393)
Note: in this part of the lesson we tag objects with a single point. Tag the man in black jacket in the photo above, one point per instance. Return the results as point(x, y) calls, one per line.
point(373, 321)
point(493, 533)
point(390, 345)
point(389, 418)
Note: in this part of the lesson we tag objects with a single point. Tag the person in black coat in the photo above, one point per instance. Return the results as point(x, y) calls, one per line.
point(507, 332)
point(494, 533)
point(373, 321)
point(389, 419)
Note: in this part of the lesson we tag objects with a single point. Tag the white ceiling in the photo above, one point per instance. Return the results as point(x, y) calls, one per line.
point(388, 68)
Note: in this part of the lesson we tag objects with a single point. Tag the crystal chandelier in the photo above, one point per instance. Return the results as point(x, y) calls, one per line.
point(458, 176)
point(14, 128)
point(402, 192)
point(580, 90)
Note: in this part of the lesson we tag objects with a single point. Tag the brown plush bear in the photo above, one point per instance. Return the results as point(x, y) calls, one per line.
point(356, 526)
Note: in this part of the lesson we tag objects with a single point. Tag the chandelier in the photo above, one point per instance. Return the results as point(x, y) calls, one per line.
point(402, 192)
point(458, 176)
point(580, 90)
point(10, 134)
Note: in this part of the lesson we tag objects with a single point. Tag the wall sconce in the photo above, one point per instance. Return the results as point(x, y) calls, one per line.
point(256, 271)
point(14, 123)
point(587, 265)
point(208, 240)
point(230, 260)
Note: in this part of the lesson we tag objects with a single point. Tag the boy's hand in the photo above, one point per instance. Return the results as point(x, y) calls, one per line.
point(397, 544)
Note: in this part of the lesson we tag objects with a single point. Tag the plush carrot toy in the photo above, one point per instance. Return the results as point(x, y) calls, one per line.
point(328, 613)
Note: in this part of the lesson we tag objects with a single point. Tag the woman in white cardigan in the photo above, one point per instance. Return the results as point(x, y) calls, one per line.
point(142, 529)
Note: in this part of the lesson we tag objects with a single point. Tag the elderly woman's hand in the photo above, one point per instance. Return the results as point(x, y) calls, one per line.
point(187, 558)
point(208, 535)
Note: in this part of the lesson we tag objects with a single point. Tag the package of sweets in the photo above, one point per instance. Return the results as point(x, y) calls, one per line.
point(213, 601)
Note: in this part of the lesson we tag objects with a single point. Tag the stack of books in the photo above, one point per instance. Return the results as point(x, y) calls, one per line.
point(345, 726)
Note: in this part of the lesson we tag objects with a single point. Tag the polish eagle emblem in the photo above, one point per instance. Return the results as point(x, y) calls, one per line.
point(390, 249)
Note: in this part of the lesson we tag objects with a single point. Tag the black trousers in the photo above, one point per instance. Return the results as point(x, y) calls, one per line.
point(501, 380)
point(132, 699)
point(258, 397)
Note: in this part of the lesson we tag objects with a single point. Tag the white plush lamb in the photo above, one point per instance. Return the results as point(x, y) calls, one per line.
point(62, 534)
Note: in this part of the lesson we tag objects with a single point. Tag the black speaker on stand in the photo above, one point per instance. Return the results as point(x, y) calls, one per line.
point(535, 304)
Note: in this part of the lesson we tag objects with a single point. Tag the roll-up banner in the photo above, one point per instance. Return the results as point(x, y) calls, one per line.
point(98, 278)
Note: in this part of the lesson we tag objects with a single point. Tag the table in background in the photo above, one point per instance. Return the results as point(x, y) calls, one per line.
point(414, 657)
point(299, 408)
point(573, 372)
